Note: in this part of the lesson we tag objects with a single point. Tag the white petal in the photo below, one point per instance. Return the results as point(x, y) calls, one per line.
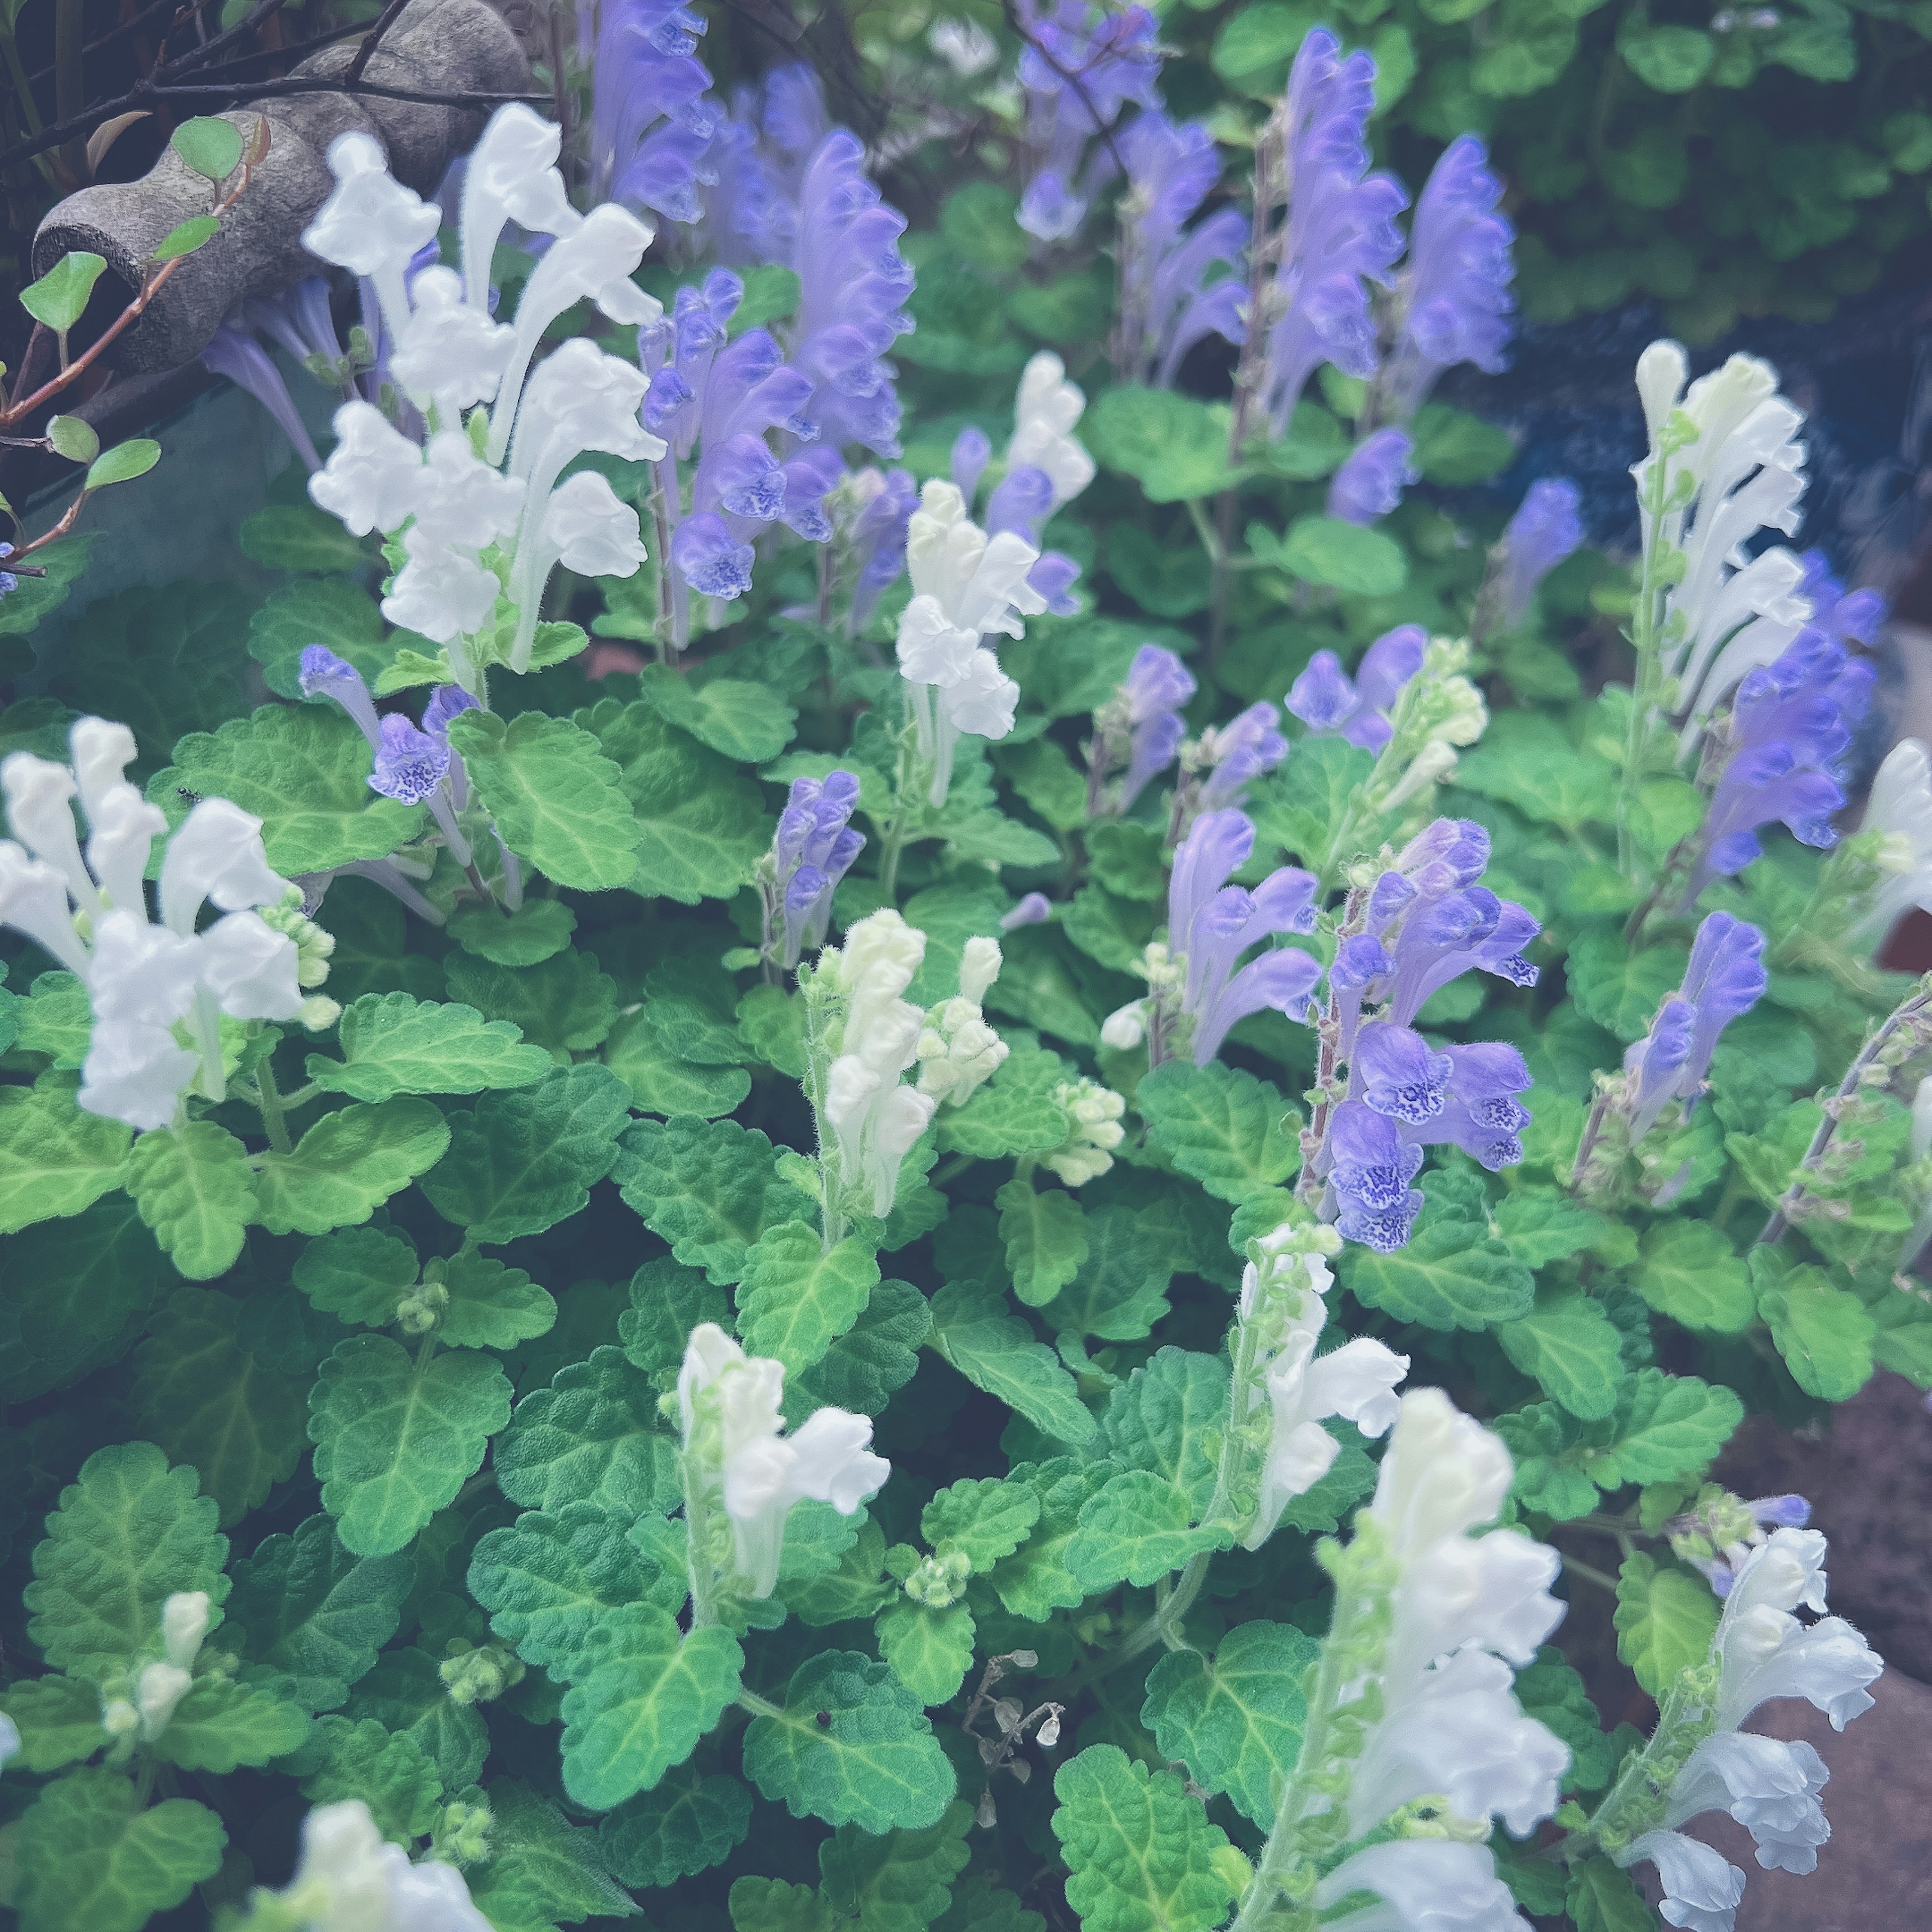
point(250, 968)
point(1702, 1888)
point(216, 853)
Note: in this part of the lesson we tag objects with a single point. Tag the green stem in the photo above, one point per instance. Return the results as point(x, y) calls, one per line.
point(750, 1700)
point(274, 1123)
point(300, 1097)
point(1646, 641)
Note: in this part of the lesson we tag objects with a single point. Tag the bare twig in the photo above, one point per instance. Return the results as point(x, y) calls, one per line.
point(1011, 9)
point(373, 39)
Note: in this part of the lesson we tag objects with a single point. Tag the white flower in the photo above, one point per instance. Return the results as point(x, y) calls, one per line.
point(185, 1620)
point(34, 900)
point(124, 827)
point(1662, 370)
point(1094, 1130)
point(977, 583)
point(1045, 412)
point(216, 854)
point(964, 45)
point(1901, 807)
point(250, 968)
point(158, 1693)
point(371, 224)
point(10, 1740)
point(982, 699)
point(449, 351)
point(1769, 1787)
point(441, 593)
point(1125, 1027)
point(373, 476)
point(102, 752)
point(957, 1050)
point(589, 531)
point(763, 1473)
point(597, 260)
point(462, 503)
point(134, 1073)
point(350, 1880)
point(40, 812)
point(979, 966)
point(1702, 1888)
point(1429, 1885)
point(511, 175)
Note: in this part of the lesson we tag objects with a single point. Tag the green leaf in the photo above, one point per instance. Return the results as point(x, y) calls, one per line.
point(749, 724)
point(519, 1162)
point(930, 1650)
point(977, 220)
point(219, 1726)
point(1175, 447)
point(209, 146)
point(797, 1299)
point(700, 822)
point(185, 237)
point(297, 536)
point(772, 1905)
point(304, 772)
point(1350, 557)
point(591, 1436)
point(74, 438)
point(1227, 1130)
point(1621, 990)
point(348, 1164)
point(1569, 1345)
point(209, 1404)
point(1452, 446)
point(538, 930)
point(565, 1004)
point(491, 1306)
point(1125, 858)
point(392, 1044)
point(851, 1746)
point(1142, 1855)
point(994, 1350)
point(1015, 1112)
point(59, 1720)
point(406, 1693)
point(554, 795)
point(662, 1081)
point(390, 1772)
point(1825, 1334)
point(1235, 1721)
point(55, 1160)
point(1668, 1427)
point(125, 1536)
point(1453, 1274)
point(1165, 1416)
point(1035, 1581)
point(358, 1274)
point(124, 462)
point(1690, 1273)
point(88, 1861)
point(984, 1520)
point(668, 1301)
point(650, 1693)
point(1541, 1226)
point(1672, 60)
point(541, 1869)
point(315, 1614)
point(1138, 1528)
point(689, 1823)
point(1665, 1619)
point(57, 300)
point(862, 1370)
point(1550, 1691)
point(900, 1882)
point(1525, 760)
point(194, 1187)
point(708, 1187)
point(548, 1580)
point(1046, 1238)
point(1601, 1898)
point(394, 1439)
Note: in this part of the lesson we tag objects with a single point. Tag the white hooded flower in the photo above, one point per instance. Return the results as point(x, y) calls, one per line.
point(123, 828)
point(1769, 1787)
point(1662, 370)
point(1044, 412)
point(351, 1879)
point(462, 503)
point(441, 594)
point(588, 531)
point(34, 900)
point(101, 751)
point(964, 45)
point(957, 1050)
point(449, 352)
point(511, 175)
point(1426, 1885)
point(1125, 1027)
point(134, 1073)
point(1899, 807)
point(982, 700)
point(1093, 1131)
point(250, 968)
point(216, 854)
point(371, 224)
point(374, 477)
point(964, 584)
point(39, 813)
point(185, 1616)
point(764, 1472)
point(1702, 1888)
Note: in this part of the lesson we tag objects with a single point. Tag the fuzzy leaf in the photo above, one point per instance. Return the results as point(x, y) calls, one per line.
point(796, 1299)
point(594, 1435)
point(59, 1719)
point(930, 1650)
point(1035, 1581)
point(88, 1861)
point(1045, 1237)
point(1233, 1133)
point(548, 1580)
point(896, 1883)
point(985, 1519)
point(391, 1774)
point(749, 724)
point(1690, 1273)
point(1569, 1345)
point(492, 1306)
point(996, 1351)
point(564, 1004)
point(195, 1189)
point(1665, 1619)
point(218, 1726)
point(862, 1370)
point(348, 1164)
point(358, 1274)
point(1453, 1274)
point(708, 1187)
point(542, 1869)
point(1824, 1333)
point(55, 1160)
point(1138, 1528)
point(392, 1044)
point(688, 1823)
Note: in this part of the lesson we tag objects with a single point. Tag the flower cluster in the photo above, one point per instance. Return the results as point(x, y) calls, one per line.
point(159, 990)
point(1140, 726)
point(1219, 766)
point(812, 851)
point(349, 1875)
point(651, 123)
point(1094, 1131)
point(1328, 701)
point(471, 533)
point(743, 1474)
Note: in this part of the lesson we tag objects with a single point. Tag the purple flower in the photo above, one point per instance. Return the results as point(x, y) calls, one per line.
point(1781, 1512)
point(709, 559)
point(1326, 701)
point(1171, 295)
point(1149, 702)
point(971, 452)
point(1791, 726)
point(1372, 477)
point(1545, 528)
point(879, 540)
point(1372, 1167)
point(1724, 980)
point(1054, 576)
point(1853, 617)
point(1112, 58)
point(812, 851)
point(748, 215)
point(447, 701)
point(1240, 752)
point(1341, 233)
point(853, 285)
point(1035, 909)
point(409, 763)
point(1480, 1113)
point(233, 352)
point(323, 674)
point(651, 126)
point(1212, 925)
point(1457, 306)
point(8, 581)
point(1393, 1070)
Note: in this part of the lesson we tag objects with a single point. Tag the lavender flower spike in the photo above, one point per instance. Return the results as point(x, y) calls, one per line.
point(1545, 528)
point(325, 675)
point(1239, 752)
point(1480, 1113)
point(1372, 477)
point(812, 851)
point(1369, 1180)
point(1158, 684)
point(651, 124)
point(1724, 980)
point(1326, 700)
point(1457, 306)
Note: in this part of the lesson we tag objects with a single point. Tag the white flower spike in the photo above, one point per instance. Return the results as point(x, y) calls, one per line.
point(371, 224)
point(1044, 412)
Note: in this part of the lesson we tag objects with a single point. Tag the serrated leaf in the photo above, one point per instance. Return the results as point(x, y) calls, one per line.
point(1015, 1112)
point(1119, 1291)
point(406, 1693)
point(662, 1082)
point(1690, 1273)
point(358, 1274)
point(984, 1520)
point(395, 1439)
point(304, 772)
point(1824, 1333)
point(1668, 1426)
point(1569, 1345)
point(1665, 1619)
point(930, 1650)
point(1142, 1855)
point(1234, 1720)
point(873, 1761)
point(647, 1695)
point(519, 1162)
point(688, 1823)
point(1453, 1274)
point(708, 1187)
point(554, 796)
point(1035, 1581)
point(1232, 1132)
point(994, 1350)
point(749, 724)
point(538, 930)
point(194, 1187)
point(57, 1719)
point(1619, 989)
point(331, 610)
point(1525, 760)
point(1164, 1417)
point(88, 1861)
point(219, 1726)
point(1354, 558)
point(348, 1164)
point(797, 1298)
point(1139, 1527)
point(667, 1300)
point(315, 1614)
point(564, 1004)
point(492, 1306)
point(55, 1160)
point(548, 1579)
point(542, 1870)
point(855, 1585)
point(1601, 1898)
point(898, 1882)
point(862, 1370)
point(592, 1436)
point(126, 1535)
point(1540, 1225)
point(390, 1772)
point(1046, 1238)
point(392, 1044)
point(209, 1404)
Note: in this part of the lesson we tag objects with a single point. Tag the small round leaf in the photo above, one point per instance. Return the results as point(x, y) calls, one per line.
point(74, 438)
point(187, 238)
point(124, 462)
point(209, 146)
point(58, 298)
